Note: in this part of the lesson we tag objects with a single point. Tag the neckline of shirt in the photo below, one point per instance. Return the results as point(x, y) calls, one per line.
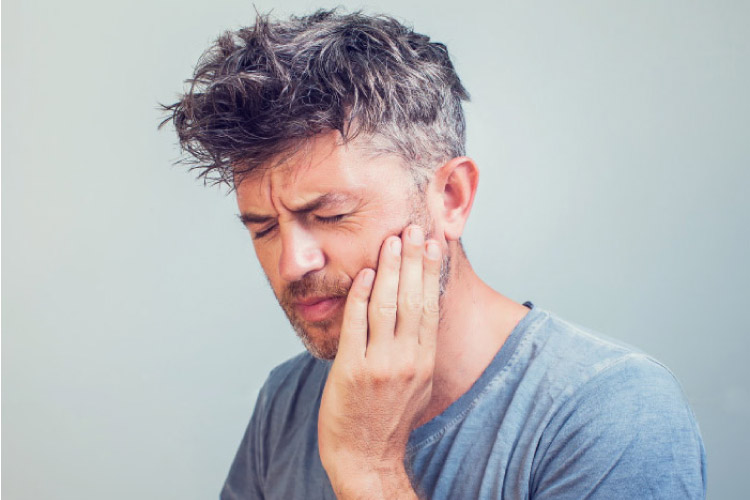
point(436, 427)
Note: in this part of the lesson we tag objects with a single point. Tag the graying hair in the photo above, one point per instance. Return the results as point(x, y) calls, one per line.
point(262, 92)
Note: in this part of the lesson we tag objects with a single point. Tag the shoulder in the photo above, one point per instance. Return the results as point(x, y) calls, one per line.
point(289, 399)
point(571, 359)
point(577, 343)
point(281, 429)
point(608, 378)
point(296, 370)
point(298, 380)
point(621, 425)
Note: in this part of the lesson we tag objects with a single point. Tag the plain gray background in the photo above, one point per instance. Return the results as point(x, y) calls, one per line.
point(614, 143)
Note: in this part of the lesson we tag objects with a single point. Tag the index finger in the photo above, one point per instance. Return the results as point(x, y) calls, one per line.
point(353, 334)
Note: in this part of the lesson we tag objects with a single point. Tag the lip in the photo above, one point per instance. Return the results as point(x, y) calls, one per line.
point(314, 309)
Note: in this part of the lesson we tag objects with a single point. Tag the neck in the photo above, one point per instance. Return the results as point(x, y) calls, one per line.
point(475, 322)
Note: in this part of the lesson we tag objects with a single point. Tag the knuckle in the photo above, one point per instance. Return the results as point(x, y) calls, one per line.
point(411, 301)
point(408, 372)
point(380, 374)
point(431, 305)
point(385, 309)
point(357, 322)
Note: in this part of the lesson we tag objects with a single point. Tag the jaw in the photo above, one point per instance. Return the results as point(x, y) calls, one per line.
point(321, 339)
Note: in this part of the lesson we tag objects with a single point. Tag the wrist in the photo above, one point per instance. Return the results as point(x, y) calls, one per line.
point(373, 483)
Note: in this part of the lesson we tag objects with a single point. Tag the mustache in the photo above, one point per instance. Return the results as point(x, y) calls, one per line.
point(314, 284)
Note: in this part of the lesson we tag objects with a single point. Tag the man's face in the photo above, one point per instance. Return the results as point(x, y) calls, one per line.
point(317, 220)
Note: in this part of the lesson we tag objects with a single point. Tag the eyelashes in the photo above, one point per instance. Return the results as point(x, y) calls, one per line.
point(330, 220)
point(333, 219)
point(261, 234)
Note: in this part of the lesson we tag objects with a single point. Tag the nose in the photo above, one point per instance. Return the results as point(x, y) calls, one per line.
point(300, 252)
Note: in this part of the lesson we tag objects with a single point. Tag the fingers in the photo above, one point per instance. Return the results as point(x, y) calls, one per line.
point(410, 284)
point(431, 306)
point(353, 336)
point(405, 296)
point(383, 304)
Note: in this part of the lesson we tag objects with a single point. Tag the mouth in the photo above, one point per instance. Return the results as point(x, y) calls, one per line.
point(316, 309)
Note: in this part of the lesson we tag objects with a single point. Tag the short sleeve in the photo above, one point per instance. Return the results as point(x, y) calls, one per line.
point(245, 476)
point(627, 433)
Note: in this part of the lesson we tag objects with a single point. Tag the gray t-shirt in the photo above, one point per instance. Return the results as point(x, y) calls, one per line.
point(559, 413)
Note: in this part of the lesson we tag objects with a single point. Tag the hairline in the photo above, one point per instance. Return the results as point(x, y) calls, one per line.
point(372, 144)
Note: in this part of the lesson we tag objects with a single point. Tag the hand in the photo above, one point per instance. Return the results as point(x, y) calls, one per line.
point(381, 380)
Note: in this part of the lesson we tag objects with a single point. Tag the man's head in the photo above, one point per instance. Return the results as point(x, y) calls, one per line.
point(332, 129)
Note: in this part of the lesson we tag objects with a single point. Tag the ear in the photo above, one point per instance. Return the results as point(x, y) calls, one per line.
point(455, 186)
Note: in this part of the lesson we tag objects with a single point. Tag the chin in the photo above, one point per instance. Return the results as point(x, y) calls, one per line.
point(322, 341)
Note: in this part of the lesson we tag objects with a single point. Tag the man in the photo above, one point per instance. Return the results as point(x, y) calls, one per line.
point(343, 137)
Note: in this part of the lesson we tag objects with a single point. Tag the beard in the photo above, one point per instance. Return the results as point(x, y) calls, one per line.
point(319, 337)
point(316, 336)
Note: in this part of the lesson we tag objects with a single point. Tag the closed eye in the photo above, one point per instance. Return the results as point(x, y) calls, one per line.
point(333, 219)
point(329, 220)
point(261, 234)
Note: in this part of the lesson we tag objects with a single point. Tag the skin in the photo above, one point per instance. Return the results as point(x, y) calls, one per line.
point(402, 354)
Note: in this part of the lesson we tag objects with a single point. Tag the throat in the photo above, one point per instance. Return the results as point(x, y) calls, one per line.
point(477, 322)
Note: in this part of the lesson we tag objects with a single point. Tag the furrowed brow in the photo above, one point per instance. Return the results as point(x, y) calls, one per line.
point(324, 200)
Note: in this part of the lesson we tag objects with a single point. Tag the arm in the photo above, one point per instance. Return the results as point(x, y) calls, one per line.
point(381, 380)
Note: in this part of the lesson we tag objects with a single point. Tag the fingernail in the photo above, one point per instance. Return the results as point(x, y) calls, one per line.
point(396, 246)
point(367, 277)
point(433, 251)
point(416, 236)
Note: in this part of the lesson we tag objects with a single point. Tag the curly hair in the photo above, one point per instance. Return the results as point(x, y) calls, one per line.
point(261, 92)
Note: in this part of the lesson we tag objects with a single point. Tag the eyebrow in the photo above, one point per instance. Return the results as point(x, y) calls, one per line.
point(324, 200)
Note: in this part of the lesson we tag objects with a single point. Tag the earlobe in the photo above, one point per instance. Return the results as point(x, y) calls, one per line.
point(457, 185)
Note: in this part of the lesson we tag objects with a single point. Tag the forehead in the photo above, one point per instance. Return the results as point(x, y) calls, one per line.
point(323, 165)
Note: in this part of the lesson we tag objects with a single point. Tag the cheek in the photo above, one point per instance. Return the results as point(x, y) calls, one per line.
point(269, 262)
point(363, 251)
point(350, 254)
